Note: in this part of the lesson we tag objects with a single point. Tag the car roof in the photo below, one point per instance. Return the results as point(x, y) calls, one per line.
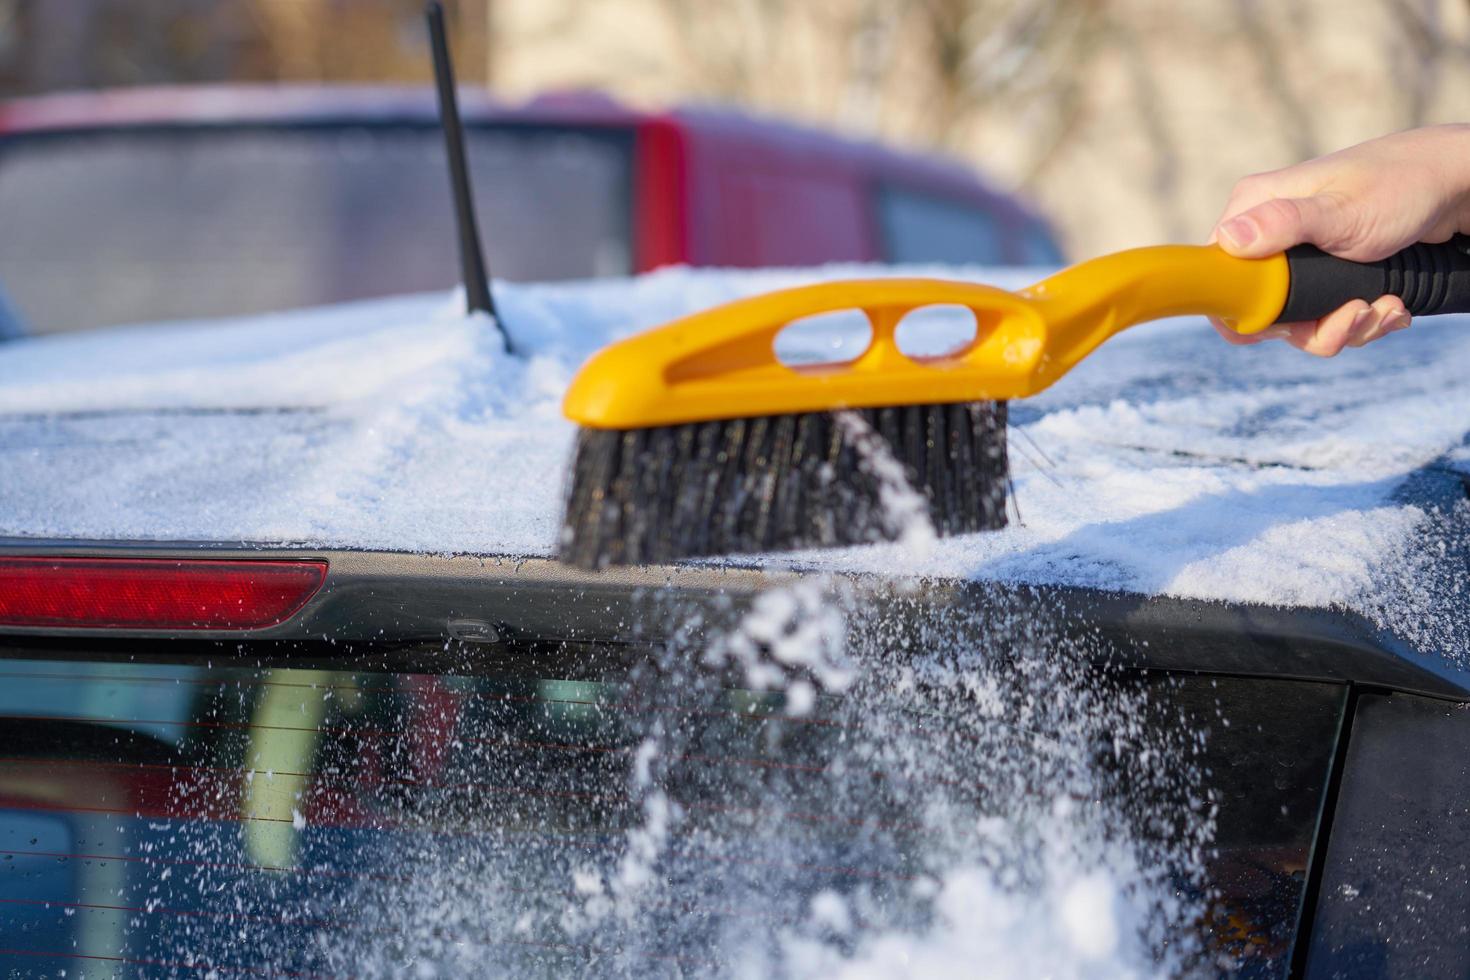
point(200, 104)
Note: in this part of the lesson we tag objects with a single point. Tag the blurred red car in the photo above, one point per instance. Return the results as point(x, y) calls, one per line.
point(151, 204)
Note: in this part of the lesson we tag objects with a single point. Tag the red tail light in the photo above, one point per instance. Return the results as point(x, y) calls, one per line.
point(154, 593)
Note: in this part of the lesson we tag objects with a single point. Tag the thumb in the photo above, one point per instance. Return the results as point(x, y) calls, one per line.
point(1278, 224)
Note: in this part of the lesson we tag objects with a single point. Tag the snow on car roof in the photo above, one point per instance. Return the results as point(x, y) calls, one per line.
point(1167, 463)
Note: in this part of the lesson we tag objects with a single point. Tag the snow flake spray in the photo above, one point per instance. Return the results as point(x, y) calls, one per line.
point(832, 780)
point(833, 776)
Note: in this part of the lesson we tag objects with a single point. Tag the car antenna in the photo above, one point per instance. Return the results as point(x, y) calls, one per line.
point(471, 257)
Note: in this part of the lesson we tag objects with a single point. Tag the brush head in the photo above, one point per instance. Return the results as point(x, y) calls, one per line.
point(784, 482)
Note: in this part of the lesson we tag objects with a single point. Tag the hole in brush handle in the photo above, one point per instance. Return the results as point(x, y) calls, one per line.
point(1428, 278)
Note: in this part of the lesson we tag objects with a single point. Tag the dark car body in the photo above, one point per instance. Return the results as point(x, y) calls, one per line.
point(144, 205)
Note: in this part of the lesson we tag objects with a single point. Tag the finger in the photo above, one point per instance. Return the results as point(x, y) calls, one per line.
point(1278, 224)
point(1231, 336)
point(1330, 334)
point(1299, 335)
point(1276, 332)
point(1386, 314)
point(1292, 332)
point(1252, 191)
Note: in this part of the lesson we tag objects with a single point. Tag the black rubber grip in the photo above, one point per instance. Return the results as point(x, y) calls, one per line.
point(1428, 278)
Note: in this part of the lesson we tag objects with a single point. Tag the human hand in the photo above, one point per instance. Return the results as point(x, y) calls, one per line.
point(1363, 203)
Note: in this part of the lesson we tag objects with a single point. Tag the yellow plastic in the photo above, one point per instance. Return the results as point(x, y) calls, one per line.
point(721, 363)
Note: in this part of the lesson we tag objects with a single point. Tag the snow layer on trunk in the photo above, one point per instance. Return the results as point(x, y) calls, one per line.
point(1167, 463)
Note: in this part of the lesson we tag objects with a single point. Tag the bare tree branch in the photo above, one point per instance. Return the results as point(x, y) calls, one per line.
point(1153, 117)
point(1417, 75)
point(1301, 131)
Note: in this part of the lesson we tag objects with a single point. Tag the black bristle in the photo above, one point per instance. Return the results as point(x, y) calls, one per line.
point(937, 485)
point(777, 483)
point(962, 457)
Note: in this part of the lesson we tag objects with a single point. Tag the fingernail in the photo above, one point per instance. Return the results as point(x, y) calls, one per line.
point(1240, 231)
point(1397, 320)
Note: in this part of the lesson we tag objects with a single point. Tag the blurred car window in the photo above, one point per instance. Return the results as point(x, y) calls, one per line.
point(1039, 248)
point(136, 225)
point(11, 325)
point(920, 227)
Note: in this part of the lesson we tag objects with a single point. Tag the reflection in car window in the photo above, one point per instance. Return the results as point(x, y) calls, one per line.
point(305, 819)
point(127, 226)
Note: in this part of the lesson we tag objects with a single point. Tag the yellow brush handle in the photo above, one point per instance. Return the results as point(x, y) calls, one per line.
point(1145, 284)
point(1088, 303)
point(721, 363)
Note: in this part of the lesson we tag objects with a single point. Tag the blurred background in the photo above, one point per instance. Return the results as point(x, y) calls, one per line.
point(1094, 125)
point(1124, 121)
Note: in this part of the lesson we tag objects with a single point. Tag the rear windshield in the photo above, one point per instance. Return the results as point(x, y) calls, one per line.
point(586, 814)
point(137, 225)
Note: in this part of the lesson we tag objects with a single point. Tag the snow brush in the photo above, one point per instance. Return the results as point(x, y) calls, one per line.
point(696, 440)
